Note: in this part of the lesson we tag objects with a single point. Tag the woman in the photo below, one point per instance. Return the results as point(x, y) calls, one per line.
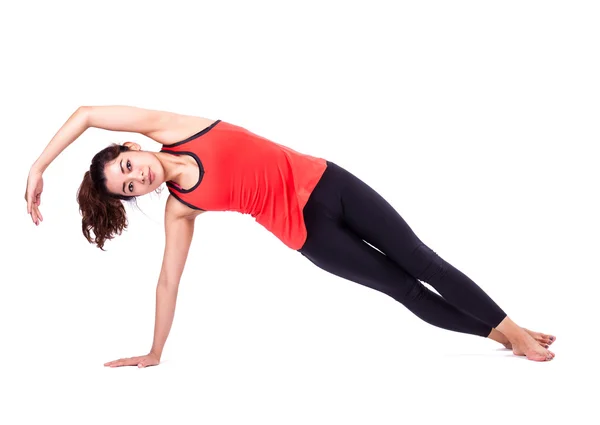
point(312, 205)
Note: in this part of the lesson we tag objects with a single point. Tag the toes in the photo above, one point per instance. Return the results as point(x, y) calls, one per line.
point(538, 357)
point(546, 339)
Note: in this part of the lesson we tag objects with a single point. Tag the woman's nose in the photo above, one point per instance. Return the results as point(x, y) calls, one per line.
point(141, 176)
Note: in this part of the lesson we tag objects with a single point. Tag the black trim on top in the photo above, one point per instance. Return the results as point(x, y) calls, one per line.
point(183, 202)
point(200, 168)
point(200, 133)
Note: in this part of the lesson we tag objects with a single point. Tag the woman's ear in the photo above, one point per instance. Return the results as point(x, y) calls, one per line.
point(132, 145)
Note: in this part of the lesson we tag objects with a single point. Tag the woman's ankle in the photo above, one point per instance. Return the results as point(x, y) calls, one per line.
point(511, 330)
point(498, 336)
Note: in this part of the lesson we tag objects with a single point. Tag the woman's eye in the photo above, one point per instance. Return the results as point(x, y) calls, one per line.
point(131, 187)
point(128, 165)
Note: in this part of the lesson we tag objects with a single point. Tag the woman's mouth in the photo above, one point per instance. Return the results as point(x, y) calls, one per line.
point(150, 176)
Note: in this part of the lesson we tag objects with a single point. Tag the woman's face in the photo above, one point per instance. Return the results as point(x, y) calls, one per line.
point(134, 173)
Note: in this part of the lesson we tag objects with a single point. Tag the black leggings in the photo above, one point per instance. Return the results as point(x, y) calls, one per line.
point(343, 213)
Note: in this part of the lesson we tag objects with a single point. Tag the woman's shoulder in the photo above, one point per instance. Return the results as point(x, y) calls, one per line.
point(177, 127)
point(176, 209)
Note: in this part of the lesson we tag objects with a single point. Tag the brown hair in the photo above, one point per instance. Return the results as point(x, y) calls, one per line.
point(101, 211)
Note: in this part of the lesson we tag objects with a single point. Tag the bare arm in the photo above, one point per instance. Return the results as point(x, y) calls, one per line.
point(159, 125)
point(117, 118)
point(71, 130)
point(67, 134)
point(179, 229)
point(162, 126)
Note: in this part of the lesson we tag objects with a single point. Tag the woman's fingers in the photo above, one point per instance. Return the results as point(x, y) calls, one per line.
point(32, 201)
point(126, 362)
point(38, 212)
point(33, 190)
point(113, 363)
point(29, 203)
point(139, 361)
point(130, 361)
point(33, 215)
point(33, 204)
point(36, 216)
point(29, 194)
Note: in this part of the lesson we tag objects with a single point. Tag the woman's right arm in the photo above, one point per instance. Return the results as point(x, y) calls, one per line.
point(179, 230)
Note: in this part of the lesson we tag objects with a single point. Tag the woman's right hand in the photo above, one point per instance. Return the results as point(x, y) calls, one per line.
point(150, 359)
point(33, 194)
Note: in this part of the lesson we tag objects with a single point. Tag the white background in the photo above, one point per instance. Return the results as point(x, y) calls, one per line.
point(477, 120)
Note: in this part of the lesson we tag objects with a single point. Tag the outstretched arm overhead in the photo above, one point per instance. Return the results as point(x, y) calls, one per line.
point(116, 118)
point(161, 126)
point(71, 130)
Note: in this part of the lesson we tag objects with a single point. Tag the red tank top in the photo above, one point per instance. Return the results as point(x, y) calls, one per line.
point(241, 171)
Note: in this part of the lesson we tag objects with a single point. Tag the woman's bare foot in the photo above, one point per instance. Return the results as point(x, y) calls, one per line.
point(542, 339)
point(522, 343)
point(529, 347)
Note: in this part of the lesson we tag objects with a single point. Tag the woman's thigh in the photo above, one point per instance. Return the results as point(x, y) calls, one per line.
point(374, 220)
point(334, 247)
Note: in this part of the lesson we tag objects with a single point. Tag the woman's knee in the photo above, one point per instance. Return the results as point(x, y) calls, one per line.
point(411, 291)
point(424, 263)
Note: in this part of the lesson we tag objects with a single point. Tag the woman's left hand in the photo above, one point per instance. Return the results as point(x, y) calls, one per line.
point(33, 194)
point(140, 361)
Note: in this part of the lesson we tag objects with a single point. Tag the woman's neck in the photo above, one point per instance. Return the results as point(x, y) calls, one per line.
point(174, 166)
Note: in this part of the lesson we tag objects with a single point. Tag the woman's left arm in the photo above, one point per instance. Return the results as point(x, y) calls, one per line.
point(117, 118)
point(163, 127)
point(67, 134)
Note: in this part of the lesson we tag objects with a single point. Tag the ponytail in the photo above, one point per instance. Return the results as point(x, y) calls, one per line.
point(102, 212)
